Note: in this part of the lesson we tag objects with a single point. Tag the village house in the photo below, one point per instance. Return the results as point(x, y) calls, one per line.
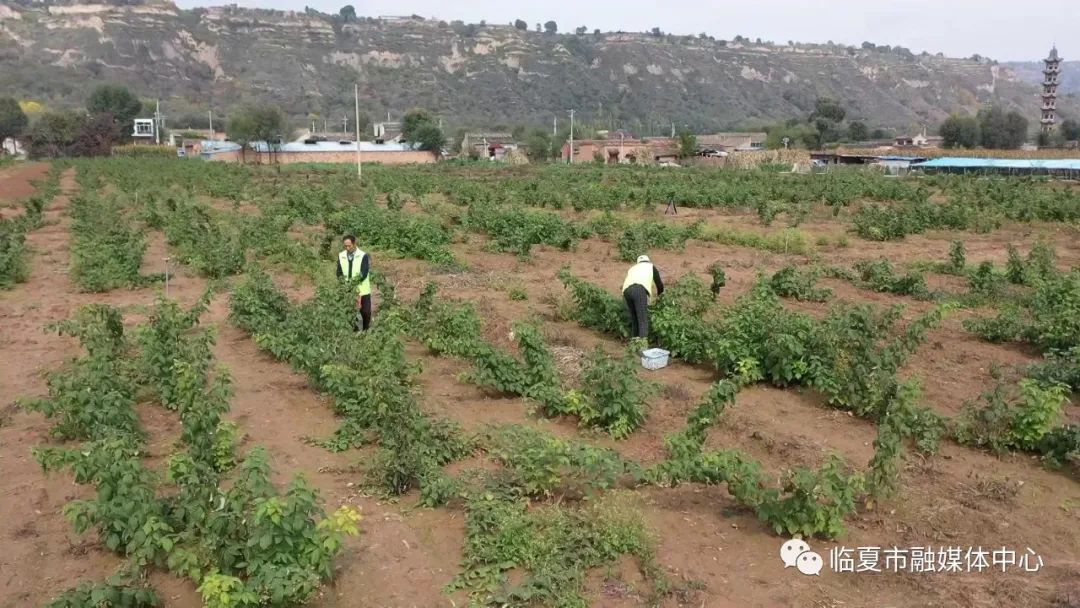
point(732, 142)
point(387, 132)
point(919, 141)
point(645, 151)
point(313, 151)
point(490, 146)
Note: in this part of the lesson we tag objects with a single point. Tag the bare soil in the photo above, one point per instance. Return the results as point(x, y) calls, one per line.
point(715, 552)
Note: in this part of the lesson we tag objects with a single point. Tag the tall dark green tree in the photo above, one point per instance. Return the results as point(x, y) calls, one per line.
point(960, 131)
point(829, 109)
point(419, 126)
point(826, 119)
point(255, 123)
point(13, 120)
point(1070, 129)
point(538, 145)
point(56, 134)
point(521, 25)
point(52, 133)
point(1001, 130)
point(687, 144)
point(551, 27)
point(348, 13)
point(858, 131)
point(116, 101)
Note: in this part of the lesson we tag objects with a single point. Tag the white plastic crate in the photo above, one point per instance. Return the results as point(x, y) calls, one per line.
point(654, 358)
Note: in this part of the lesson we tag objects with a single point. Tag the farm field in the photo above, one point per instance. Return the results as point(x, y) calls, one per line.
point(859, 360)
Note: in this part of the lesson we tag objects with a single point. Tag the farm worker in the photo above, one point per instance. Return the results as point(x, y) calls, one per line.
point(354, 266)
point(642, 283)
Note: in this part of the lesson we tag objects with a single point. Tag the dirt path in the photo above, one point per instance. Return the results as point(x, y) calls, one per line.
point(399, 560)
point(17, 183)
point(42, 554)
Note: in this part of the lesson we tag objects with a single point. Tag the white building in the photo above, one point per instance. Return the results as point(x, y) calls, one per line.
point(12, 147)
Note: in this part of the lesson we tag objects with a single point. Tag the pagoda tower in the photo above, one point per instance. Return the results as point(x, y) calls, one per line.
point(1052, 76)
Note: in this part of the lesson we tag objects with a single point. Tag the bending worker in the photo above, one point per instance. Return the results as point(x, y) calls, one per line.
point(642, 282)
point(354, 266)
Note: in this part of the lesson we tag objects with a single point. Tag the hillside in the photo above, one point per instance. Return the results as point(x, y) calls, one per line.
point(1032, 71)
point(472, 74)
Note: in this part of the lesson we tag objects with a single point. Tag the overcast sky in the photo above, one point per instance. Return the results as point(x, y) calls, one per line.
point(1002, 29)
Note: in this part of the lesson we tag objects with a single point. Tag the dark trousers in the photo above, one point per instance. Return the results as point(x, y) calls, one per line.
point(363, 314)
point(637, 300)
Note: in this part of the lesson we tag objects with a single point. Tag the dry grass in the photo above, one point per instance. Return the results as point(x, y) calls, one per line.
point(677, 393)
point(569, 360)
point(989, 490)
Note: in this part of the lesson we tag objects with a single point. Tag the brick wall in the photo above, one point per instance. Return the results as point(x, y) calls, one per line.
point(288, 158)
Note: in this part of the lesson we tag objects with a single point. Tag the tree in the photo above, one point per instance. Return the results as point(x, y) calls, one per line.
point(1045, 140)
point(1000, 130)
point(348, 13)
point(95, 136)
point(52, 133)
point(581, 31)
point(420, 127)
point(1016, 129)
point(255, 123)
point(687, 144)
point(551, 27)
point(558, 140)
point(656, 32)
point(430, 138)
point(858, 131)
point(1071, 129)
point(115, 100)
point(32, 109)
point(13, 120)
point(829, 109)
point(826, 119)
point(56, 134)
point(119, 104)
point(798, 134)
point(413, 120)
point(960, 131)
point(538, 145)
point(521, 25)
point(879, 134)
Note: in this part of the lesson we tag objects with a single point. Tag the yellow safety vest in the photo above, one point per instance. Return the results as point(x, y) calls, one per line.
point(641, 274)
point(363, 287)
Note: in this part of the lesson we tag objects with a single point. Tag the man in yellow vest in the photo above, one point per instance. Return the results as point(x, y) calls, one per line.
point(354, 266)
point(642, 282)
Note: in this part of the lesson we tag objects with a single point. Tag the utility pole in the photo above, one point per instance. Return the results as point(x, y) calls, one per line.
point(555, 127)
point(360, 175)
point(345, 124)
point(210, 113)
point(571, 137)
point(157, 122)
point(673, 129)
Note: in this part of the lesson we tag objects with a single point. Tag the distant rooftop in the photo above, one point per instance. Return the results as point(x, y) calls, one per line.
point(1003, 163)
point(319, 146)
